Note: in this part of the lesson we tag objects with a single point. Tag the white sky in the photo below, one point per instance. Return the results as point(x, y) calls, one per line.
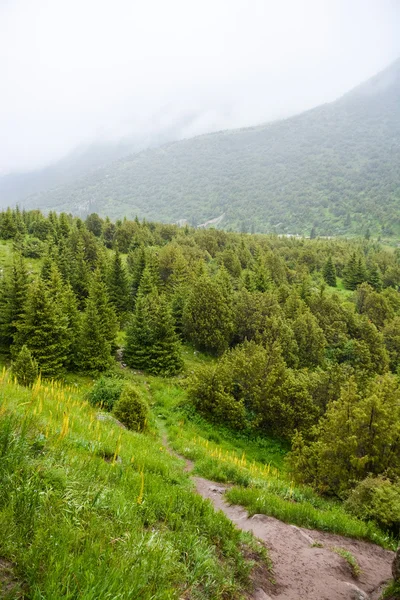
point(73, 71)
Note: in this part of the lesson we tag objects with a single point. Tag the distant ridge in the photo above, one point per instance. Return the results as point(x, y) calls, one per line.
point(335, 168)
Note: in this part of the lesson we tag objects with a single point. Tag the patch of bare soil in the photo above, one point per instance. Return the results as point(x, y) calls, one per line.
point(303, 569)
point(10, 586)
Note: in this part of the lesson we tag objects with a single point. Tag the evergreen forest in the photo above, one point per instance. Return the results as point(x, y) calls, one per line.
point(272, 362)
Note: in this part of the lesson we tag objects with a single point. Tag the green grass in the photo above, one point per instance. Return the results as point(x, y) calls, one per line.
point(328, 517)
point(77, 526)
point(350, 559)
point(391, 592)
point(256, 465)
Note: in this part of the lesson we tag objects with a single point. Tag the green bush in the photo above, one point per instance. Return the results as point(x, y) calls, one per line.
point(131, 409)
point(25, 368)
point(376, 498)
point(105, 392)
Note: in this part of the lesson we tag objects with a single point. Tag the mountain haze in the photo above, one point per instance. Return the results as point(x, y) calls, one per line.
point(334, 167)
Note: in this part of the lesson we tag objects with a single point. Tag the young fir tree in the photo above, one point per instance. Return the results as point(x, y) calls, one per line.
point(355, 272)
point(374, 277)
point(79, 273)
point(74, 318)
point(151, 341)
point(329, 272)
point(208, 316)
point(44, 329)
point(25, 367)
point(13, 292)
point(118, 291)
point(95, 347)
point(8, 227)
point(99, 328)
point(136, 264)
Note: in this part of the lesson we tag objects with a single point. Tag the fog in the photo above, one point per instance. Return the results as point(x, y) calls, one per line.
point(76, 71)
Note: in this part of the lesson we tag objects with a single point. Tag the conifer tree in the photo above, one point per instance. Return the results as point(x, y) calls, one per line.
point(208, 316)
point(329, 272)
point(44, 329)
point(79, 272)
point(108, 318)
point(8, 228)
point(151, 341)
point(350, 273)
point(136, 263)
point(25, 368)
point(13, 292)
point(374, 277)
point(118, 285)
point(95, 348)
point(355, 272)
point(74, 318)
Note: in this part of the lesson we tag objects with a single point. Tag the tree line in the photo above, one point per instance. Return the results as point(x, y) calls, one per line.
point(305, 333)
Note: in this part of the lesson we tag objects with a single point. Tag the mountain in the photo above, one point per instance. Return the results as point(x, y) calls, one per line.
point(85, 160)
point(334, 168)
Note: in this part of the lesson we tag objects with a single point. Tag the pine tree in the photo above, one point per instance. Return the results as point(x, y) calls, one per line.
point(108, 318)
point(353, 273)
point(8, 228)
point(208, 316)
point(329, 272)
point(374, 277)
point(13, 292)
point(95, 348)
point(44, 329)
point(74, 318)
point(79, 272)
point(25, 368)
point(151, 341)
point(118, 285)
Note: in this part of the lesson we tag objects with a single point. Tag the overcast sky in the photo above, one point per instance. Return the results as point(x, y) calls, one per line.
point(72, 71)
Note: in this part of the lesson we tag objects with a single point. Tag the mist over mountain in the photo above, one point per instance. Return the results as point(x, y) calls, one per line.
point(334, 168)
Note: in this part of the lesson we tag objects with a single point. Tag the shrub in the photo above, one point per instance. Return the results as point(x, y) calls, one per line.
point(25, 368)
point(131, 409)
point(105, 392)
point(376, 498)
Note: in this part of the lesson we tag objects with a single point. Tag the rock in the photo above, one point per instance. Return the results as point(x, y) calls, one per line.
point(217, 490)
point(259, 594)
point(303, 534)
point(357, 593)
point(110, 419)
point(396, 566)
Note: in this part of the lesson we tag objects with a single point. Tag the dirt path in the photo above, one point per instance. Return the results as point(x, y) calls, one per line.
point(305, 567)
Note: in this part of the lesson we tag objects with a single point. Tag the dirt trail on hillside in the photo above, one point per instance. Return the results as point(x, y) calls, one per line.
point(303, 569)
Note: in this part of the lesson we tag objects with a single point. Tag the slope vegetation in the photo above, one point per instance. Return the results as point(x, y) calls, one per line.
point(334, 167)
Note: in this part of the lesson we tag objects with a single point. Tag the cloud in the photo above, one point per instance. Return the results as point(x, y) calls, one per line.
point(73, 71)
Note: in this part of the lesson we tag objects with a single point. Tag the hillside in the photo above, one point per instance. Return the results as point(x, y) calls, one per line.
point(334, 167)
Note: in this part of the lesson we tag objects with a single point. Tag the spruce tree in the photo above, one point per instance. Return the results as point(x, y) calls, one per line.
point(350, 275)
point(151, 341)
point(25, 368)
point(329, 272)
point(208, 316)
point(374, 277)
point(95, 348)
point(79, 272)
point(118, 285)
point(8, 227)
point(44, 329)
point(13, 292)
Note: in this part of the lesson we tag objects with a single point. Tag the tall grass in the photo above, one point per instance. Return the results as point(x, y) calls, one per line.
point(331, 518)
point(78, 526)
point(257, 466)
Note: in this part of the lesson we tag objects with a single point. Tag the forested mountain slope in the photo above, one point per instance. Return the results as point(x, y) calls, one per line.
point(334, 167)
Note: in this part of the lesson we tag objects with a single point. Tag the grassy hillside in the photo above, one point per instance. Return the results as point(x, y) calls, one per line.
point(334, 167)
point(90, 510)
